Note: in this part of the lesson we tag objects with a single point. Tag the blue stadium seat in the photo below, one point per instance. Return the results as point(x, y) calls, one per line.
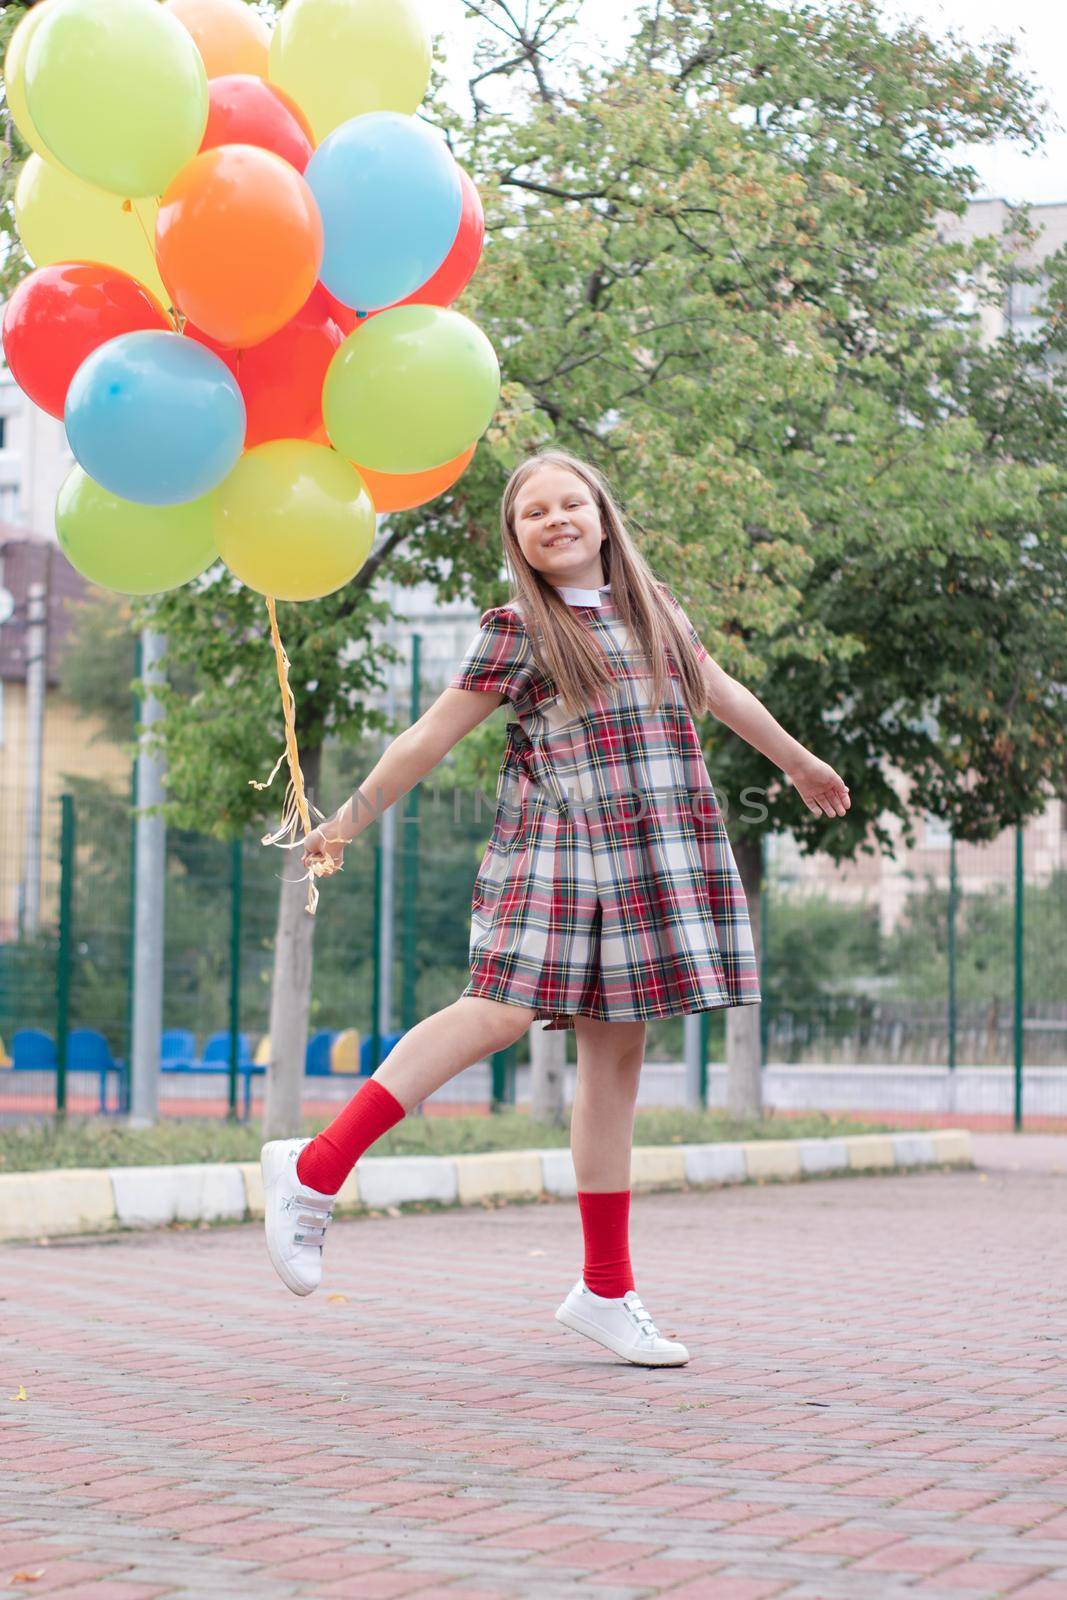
point(177, 1049)
point(317, 1059)
point(387, 1042)
point(33, 1050)
point(217, 1049)
point(89, 1051)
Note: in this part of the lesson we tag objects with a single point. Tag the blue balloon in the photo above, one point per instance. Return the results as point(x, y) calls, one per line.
point(390, 197)
point(155, 418)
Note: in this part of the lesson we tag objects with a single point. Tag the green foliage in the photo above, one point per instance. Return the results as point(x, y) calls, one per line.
point(719, 268)
point(13, 263)
point(817, 948)
point(97, 669)
point(93, 1143)
point(917, 952)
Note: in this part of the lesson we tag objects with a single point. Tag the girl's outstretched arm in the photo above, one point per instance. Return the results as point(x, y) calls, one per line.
point(410, 756)
point(822, 790)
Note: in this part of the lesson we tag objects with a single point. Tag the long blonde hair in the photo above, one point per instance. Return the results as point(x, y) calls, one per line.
point(562, 647)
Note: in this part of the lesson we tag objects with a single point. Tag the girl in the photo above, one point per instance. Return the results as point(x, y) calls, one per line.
point(608, 892)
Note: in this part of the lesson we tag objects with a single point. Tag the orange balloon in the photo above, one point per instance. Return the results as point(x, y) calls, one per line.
point(230, 36)
point(238, 243)
point(403, 491)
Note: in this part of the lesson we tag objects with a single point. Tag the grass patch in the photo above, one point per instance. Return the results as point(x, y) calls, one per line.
point(94, 1142)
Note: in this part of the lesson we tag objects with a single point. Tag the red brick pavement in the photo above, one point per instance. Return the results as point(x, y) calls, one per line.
point(874, 1406)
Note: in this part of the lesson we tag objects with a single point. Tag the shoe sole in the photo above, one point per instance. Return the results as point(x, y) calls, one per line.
point(272, 1165)
point(570, 1319)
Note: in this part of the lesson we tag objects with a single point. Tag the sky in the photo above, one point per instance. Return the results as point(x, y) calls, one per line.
point(1006, 170)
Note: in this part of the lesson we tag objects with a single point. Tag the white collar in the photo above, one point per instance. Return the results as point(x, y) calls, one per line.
point(581, 597)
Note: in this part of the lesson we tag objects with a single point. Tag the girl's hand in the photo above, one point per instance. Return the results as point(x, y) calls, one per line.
point(820, 788)
point(319, 848)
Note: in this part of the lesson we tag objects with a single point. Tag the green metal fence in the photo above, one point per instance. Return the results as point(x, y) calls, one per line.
point(943, 970)
point(935, 984)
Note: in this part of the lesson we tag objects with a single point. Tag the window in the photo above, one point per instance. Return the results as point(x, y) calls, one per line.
point(3, 433)
point(9, 502)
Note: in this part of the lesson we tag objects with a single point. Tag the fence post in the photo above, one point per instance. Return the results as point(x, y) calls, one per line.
point(953, 901)
point(236, 883)
point(764, 933)
point(410, 848)
point(503, 1065)
point(124, 1076)
point(376, 968)
point(1018, 1018)
point(705, 1030)
point(66, 902)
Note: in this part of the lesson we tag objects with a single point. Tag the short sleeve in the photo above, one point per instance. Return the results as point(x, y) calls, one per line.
point(496, 656)
point(702, 654)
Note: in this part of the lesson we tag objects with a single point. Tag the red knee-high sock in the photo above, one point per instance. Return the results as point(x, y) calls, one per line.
point(325, 1163)
point(606, 1229)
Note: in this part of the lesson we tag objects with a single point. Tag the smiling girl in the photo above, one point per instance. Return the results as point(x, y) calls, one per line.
point(608, 892)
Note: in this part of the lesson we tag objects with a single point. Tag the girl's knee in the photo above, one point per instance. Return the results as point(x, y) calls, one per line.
point(504, 1023)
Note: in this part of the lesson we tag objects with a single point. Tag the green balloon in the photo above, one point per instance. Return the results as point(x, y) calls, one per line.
point(117, 92)
point(410, 389)
point(129, 548)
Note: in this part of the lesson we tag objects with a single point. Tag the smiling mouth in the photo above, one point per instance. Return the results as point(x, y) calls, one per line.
point(567, 538)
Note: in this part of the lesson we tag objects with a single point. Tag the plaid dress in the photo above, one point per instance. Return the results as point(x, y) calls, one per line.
point(608, 887)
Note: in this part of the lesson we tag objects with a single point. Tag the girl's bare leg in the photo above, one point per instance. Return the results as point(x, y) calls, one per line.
point(448, 1042)
point(605, 1100)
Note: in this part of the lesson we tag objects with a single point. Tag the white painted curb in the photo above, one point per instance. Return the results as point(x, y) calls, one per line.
point(36, 1205)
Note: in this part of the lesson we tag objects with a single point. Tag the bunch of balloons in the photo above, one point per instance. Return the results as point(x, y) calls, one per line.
point(246, 247)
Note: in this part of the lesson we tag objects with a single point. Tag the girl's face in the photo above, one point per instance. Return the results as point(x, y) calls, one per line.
point(557, 525)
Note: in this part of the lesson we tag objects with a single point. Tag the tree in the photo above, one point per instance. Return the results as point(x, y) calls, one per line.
point(755, 192)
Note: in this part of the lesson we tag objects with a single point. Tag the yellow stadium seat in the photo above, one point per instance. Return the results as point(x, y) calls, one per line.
point(344, 1054)
point(262, 1055)
point(5, 1059)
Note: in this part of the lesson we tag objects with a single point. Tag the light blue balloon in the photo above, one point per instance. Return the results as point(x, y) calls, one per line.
point(155, 418)
point(391, 198)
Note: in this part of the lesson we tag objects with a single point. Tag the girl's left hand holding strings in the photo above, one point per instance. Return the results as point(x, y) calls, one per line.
point(822, 790)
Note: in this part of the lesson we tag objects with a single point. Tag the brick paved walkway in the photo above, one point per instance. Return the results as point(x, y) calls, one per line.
point(876, 1405)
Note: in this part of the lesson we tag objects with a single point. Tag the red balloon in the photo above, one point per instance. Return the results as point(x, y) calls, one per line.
point(457, 269)
point(282, 377)
point(225, 352)
point(61, 314)
point(246, 110)
point(344, 316)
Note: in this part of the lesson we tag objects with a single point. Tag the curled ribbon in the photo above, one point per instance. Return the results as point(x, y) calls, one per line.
point(296, 811)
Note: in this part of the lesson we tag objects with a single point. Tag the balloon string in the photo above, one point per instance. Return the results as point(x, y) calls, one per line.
point(132, 206)
point(296, 811)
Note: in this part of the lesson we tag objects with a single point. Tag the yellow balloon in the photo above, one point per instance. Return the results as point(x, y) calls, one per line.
point(294, 520)
point(341, 58)
point(15, 78)
point(60, 218)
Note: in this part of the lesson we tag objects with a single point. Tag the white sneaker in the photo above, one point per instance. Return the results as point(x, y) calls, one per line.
point(294, 1215)
point(622, 1325)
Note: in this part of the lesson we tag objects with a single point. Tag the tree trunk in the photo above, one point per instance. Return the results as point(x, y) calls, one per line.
point(548, 1063)
point(290, 995)
point(744, 1085)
